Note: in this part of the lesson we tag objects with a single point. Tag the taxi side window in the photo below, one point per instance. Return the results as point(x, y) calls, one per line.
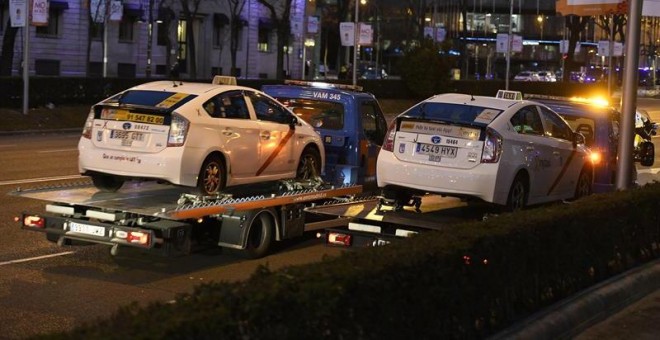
point(527, 121)
point(556, 127)
point(227, 105)
point(269, 110)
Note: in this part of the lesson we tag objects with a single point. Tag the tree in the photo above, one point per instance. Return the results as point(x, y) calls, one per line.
point(235, 26)
point(7, 55)
point(425, 70)
point(282, 26)
point(190, 9)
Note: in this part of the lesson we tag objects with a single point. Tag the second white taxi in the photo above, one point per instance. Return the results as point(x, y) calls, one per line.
point(203, 135)
point(509, 152)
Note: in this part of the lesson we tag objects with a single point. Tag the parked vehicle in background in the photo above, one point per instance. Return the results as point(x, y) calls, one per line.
point(547, 76)
point(527, 76)
point(509, 152)
point(350, 122)
point(200, 135)
point(374, 73)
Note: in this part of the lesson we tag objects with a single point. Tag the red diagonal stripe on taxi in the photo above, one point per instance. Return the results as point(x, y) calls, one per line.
point(277, 150)
point(563, 171)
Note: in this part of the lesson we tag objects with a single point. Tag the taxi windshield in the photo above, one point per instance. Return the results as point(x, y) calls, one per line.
point(319, 113)
point(455, 113)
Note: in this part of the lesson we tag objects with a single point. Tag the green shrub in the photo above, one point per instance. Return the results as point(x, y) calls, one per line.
point(425, 69)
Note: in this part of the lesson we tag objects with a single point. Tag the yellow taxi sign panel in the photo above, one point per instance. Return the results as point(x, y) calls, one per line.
point(119, 114)
point(172, 100)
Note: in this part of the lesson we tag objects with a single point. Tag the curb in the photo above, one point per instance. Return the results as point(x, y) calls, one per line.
point(40, 132)
point(575, 314)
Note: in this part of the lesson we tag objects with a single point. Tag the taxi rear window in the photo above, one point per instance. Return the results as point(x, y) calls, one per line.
point(319, 113)
point(455, 113)
point(157, 99)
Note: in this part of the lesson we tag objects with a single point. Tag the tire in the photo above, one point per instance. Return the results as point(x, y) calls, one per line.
point(107, 183)
point(212, 176)
point(260, 235)
point(517, 198)
point(584, 184)
point(647, 150)
point(309, 166)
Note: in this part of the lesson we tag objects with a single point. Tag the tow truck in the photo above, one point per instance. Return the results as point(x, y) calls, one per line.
point(170, 220)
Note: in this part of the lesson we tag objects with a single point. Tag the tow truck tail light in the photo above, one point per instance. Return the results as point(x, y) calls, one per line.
point(34, 221)
point(492, 147)
point(178, 130)
point(595, 156)
point(388, 144)
point(89, 123)
point(134, 237)
point(340, 239)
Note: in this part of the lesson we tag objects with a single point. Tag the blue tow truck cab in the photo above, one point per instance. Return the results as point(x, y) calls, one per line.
point(350, 122)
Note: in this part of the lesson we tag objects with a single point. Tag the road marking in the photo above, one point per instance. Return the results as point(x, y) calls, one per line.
point(36, 258)
point(60, 150)
point(8, 145)
point(42, 179)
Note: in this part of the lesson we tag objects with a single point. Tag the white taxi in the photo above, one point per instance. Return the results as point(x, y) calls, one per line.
point(508, 152)
point(203, 135)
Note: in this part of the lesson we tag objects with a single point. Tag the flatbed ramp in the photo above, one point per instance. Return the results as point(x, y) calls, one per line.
point(435, 213)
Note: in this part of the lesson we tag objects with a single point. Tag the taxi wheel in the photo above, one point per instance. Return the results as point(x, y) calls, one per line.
point(309, 166)
point(517, 199)
point(212, 178)
point(107, 183)
point(583, 187)
point(260, 236)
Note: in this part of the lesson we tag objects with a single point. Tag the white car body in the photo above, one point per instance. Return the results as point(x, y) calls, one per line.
point(132, 135)
point(430, 149)
point(527, 76)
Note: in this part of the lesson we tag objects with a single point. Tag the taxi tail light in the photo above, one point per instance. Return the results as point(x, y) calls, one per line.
point(339, 239)
point(89, 124)
point(492, 147)
point(388, 144)
point(178, 131)
point(34, 221)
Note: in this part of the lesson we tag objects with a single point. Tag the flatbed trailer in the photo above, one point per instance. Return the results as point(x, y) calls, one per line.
point(372, 223)
point(166, 219)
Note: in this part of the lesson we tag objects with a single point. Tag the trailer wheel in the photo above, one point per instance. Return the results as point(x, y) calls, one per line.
point(107, 183)
point(211, 177)
point(260, 236)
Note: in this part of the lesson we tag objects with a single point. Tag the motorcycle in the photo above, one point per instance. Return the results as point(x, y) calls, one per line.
point(643, 148)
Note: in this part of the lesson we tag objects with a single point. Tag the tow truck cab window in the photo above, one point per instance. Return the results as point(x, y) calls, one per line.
point(321, 114)
point(373, 124)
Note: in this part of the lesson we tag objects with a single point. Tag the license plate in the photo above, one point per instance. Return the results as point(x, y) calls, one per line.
point(127, 135)
point(86, 229)
point(436, 151)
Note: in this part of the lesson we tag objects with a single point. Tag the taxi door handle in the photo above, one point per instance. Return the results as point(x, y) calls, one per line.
point(265, 135)
point(556, 153)
point(529, 148)
point(227, 132)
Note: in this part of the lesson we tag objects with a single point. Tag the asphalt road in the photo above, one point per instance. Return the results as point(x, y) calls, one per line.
point(45, 288)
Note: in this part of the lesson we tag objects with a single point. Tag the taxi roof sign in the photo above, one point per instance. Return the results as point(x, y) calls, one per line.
point(224, 80)
point(506, 94)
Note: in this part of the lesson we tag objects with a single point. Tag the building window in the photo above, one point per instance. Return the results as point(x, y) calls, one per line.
point(47, 67)
point(266, 26)
point(53, 28)
point(96, 31)
point(182, 42)
point(220, 22)
point(125, 70)
point(127, 28)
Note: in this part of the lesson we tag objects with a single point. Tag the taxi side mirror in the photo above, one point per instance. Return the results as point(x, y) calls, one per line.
point(578, 139)
point(293, 121)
